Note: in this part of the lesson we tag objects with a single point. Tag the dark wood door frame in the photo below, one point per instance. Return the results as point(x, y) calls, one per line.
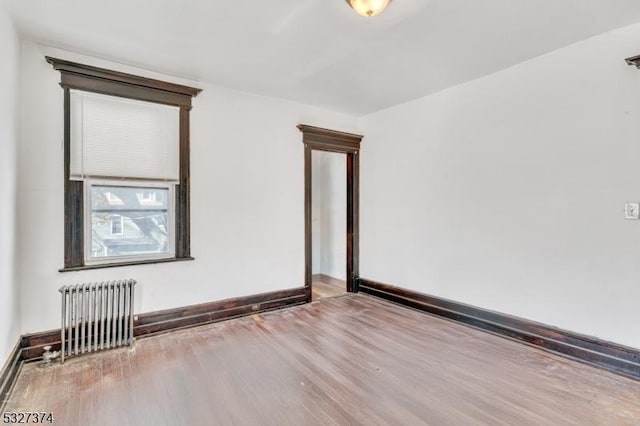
point(316, 138)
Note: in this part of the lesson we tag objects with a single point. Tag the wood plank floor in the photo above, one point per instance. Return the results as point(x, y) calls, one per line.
point(325, 286)
point(351, 360)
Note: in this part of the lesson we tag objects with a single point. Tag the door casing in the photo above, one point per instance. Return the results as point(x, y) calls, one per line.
point(316, 138)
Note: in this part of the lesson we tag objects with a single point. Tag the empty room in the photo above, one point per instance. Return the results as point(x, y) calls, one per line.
point(320, 212)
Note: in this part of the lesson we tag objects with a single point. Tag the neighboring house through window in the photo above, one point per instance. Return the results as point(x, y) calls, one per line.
point(117, 225)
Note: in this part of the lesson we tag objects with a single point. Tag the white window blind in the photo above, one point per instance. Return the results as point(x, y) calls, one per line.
point(123, 138)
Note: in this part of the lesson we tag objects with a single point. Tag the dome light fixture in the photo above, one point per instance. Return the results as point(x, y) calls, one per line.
point(368, 8)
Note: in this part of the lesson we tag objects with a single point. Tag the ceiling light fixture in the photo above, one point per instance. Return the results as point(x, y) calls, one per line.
point(368, 7)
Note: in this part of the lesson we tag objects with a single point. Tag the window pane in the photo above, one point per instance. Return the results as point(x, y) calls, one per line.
point(129, 221)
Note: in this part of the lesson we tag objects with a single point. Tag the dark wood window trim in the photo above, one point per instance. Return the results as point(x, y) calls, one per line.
point(114, 83)
point(347, 143)
point(126, 263)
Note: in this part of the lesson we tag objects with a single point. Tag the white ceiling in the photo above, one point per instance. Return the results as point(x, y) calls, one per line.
point(319, 51)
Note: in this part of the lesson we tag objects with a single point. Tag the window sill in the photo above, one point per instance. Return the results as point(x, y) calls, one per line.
point(133, 263)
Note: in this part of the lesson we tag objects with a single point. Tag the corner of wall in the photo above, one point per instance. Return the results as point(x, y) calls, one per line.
point(10, 320)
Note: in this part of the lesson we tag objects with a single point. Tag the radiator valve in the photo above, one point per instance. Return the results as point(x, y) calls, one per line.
point(48, 355)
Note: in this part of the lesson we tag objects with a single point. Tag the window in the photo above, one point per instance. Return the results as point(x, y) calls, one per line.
point(126, 169)
point(117, 225)
point(128, 221)
point(114, 137)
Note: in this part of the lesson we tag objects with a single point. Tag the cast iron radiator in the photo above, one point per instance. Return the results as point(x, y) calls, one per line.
point(96, 316)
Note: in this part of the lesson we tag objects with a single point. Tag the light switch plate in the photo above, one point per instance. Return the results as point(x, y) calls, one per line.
point(632, 211)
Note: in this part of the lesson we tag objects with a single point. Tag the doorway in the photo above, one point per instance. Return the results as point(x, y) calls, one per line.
point(323, 144)
point(328, 224)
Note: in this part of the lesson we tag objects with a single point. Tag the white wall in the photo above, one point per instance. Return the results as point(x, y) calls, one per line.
point(247, 218)
point(507, 192)
point(329, 213)
point(317, 185)
point(9, 127)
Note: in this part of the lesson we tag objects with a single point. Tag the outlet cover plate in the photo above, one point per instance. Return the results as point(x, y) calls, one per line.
point(632, 211)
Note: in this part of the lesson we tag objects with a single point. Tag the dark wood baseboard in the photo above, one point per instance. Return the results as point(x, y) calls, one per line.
point(164, 321)
point(600, 353)
point(9, 373)
point(173, 319)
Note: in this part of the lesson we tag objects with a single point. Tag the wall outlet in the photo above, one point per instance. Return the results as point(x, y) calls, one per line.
point(632, 211)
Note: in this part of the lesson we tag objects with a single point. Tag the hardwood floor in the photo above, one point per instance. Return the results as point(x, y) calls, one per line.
point(343, 360)
point(324, 286)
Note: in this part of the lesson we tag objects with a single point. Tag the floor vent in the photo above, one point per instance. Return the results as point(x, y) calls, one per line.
point(96, 316)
